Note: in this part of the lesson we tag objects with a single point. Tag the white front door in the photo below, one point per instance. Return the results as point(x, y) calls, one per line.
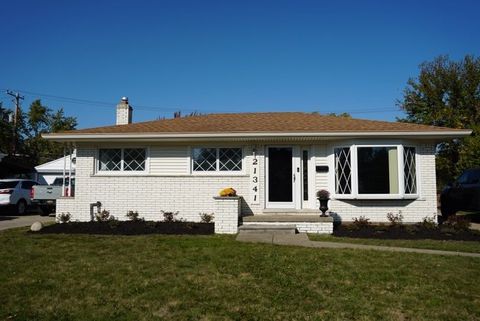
point(282, 177)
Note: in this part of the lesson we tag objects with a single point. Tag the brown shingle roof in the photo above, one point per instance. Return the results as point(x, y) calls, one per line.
point(261, 122)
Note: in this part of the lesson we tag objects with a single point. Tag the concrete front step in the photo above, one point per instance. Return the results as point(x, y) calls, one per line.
point(268, 228)
point(290, 211)
point(301, 223)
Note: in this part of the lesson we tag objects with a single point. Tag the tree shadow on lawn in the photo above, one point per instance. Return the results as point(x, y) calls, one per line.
point(407, 232)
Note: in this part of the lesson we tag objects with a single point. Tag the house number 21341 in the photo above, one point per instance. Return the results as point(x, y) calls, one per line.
point(254, 182)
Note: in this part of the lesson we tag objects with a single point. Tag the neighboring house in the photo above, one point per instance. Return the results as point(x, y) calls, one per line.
point(46, 173)
point(276, 162)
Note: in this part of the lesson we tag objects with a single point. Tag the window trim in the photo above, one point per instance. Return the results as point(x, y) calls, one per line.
point(122, 172)
point(217, 171)
point(354, 174)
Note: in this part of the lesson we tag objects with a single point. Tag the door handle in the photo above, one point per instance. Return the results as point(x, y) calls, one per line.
point(294, 178)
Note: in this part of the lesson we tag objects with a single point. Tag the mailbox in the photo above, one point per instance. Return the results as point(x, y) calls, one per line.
point(321, 169)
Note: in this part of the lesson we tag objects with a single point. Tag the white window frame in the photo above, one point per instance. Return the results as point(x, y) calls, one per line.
point(122, 172)
point(352, 163)
point(297, 199)
point(217, 171)
point(417, 171)
point(354, 172)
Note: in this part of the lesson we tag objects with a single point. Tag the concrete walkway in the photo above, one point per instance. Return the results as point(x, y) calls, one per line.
point(12, 221)
point(302, 239)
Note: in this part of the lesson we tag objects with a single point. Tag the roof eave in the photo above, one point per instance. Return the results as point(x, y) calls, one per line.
point(252, 136)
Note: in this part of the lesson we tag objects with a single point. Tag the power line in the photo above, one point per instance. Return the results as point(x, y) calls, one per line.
point(94, 103)
point(104, 104)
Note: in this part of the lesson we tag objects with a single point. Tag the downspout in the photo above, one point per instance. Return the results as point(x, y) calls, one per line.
point(70, 172)
point(64, 170)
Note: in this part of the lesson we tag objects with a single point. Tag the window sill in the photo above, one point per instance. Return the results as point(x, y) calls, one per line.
point(220, 174)
point(168, 175)
point(120, 173)
point(376, 197)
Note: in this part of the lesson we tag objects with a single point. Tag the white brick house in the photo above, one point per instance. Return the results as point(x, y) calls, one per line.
point(276, 162)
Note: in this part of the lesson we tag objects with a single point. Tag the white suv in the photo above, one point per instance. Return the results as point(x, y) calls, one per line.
point(16, 193)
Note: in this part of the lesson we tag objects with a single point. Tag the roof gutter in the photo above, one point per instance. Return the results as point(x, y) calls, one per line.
point(251, 136)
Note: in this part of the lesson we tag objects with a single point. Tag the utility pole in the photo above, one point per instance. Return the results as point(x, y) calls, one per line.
point(16, 99)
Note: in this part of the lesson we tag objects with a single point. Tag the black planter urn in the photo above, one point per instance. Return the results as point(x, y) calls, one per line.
point(323, 206)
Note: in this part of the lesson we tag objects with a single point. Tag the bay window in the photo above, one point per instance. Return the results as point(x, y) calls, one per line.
point(377, 170)
point(380, 171)
point(343, 171)
point(410, 172)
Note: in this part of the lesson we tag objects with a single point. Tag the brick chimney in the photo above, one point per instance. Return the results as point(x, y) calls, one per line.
point(124, 112)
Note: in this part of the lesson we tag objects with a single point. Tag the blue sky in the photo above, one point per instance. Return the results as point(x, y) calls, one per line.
point(226, 56)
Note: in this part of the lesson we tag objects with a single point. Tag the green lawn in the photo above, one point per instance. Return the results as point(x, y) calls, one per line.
point(459, 246)
point(61, 277)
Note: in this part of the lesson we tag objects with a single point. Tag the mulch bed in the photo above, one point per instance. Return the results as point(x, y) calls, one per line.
point(406, 232)
point(129, 228)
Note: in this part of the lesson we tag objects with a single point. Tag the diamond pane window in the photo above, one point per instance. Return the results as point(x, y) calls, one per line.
point(230, 159)
point(343, 171)
point(204, 159)
point(110, 159)
point(409, 168)
point(134, 159)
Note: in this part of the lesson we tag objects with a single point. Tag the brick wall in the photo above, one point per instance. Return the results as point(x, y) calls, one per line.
point(227, 211)
point(191, 194)
point(187, 194)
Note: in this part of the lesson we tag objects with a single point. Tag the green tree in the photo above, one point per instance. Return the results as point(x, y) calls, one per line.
point(347, 115)
point(447, 93)
point(40, 120)
point(59, 122)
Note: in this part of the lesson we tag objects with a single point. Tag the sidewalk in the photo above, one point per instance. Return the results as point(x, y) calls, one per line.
point(302, 239)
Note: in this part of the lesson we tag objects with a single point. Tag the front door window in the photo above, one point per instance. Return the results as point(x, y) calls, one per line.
point(280, 187)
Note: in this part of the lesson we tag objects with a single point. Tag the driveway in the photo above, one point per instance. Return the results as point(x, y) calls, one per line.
point(11, 221)
point(475, 226)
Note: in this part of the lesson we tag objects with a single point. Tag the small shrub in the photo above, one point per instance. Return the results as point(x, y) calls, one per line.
point(459, 223)
point(395, 219)
point(151, 224)
point(429, 223)
point(133, 216)
point(412, 229)
point(206, 218)
point(170, 216)
point(113, 223)
point(104, 216)
point(361, 222)
point(64, 217)
point(323, 194)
